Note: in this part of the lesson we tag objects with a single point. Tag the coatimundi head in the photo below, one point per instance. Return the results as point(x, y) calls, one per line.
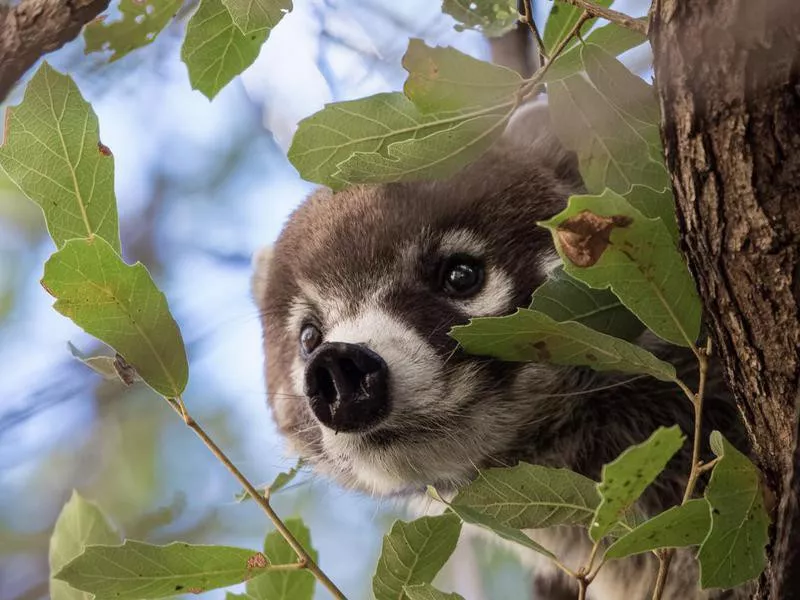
point(360, 292)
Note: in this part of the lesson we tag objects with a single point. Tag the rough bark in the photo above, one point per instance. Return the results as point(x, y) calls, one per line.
point(33, 28)
point(728, 75)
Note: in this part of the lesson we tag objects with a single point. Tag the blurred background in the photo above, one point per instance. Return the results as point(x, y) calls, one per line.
point(200, 186)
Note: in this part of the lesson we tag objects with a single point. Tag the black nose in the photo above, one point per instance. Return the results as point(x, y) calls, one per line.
point(347, 386)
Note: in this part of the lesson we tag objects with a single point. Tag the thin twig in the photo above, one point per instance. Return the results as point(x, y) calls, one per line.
point(665, 557)
point(664, 560)
point(526, 16)
point(582, 585)
point(304, 558)
point(608, 14)
point(530, 84)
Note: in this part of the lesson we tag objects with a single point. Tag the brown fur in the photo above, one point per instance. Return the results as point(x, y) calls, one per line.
point(382, 244)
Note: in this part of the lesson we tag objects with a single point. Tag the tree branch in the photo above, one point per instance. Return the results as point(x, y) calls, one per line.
point(608, 14)
point(33, 28)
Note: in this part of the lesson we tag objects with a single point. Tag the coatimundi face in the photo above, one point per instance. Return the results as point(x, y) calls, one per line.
point(360, 292)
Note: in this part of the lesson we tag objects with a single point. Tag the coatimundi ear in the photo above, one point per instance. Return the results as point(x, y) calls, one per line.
point(258, 280)
point(531, 128)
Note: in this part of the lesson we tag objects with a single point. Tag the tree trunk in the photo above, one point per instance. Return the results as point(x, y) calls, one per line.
point(728, 76)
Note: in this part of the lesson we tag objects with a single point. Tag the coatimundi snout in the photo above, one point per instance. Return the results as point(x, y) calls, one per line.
point(357, 299)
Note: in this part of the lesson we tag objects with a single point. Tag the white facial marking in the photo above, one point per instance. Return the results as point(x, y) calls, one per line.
point(550, 262)
point(462, 241)
point(260, 269)
point(493, 299)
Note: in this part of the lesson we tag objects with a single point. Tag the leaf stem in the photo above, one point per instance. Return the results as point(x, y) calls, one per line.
point(608, 14)
point(526, 16)
point(304, 558)
point(530, 84)
point(665, 557)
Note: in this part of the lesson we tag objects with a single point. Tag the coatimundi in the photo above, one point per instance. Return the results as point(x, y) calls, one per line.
point(357, 299)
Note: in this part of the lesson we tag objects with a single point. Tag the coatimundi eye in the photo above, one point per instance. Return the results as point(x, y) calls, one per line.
point(310, 338)
point(461, 276)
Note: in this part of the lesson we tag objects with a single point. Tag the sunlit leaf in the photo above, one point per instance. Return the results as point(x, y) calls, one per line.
point(492, 18)
point(283, 584)
point(79, 524)
point(473, 517)
point(562, 18)
point(137, 570)
point(252, 16)
point(121, 306)
point(444, 79)
point(531, 496)
point(413, 553)
point(139, 24)
point(684, 525)
point(616, 148)
point(564, 298)
point(605, 242)
point(215, 50)
point(612, 38)
point(385, 138)
point(53, 153)
point(624, 479)
point(426, 591)
point(733, 552)
point(529, 335)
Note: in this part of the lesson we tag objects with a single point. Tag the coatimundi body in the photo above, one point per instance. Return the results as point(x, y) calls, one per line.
point(357, 299)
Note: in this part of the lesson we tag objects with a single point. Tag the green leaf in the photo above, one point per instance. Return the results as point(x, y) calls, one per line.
point(612, 38)
point(531, 496)
point(52, 151)
point(140, 23)
point(284, 585)
point(616, 148)
point(440, 154)
point(360, 140)
point(564, 298)
point(252, 16)
point(492, 18)
point(680, 526)
point(529, 335)
point(624, 479)
point(281, 480)
point(80, 523)
point(484, 521)
point(733, 552)
point(656, 205)
point(121, 306)
point(426, 591)
point(444, 79)
point(413, 553)
point(137, 570)
point(605, 242)
point(215, 50)
point(562, 18)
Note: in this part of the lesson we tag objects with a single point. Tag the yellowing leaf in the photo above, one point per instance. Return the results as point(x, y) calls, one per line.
point(80, 523)
point(605, 242)
point(121, 306)
point(137, 570)
point(251, 16)
point(140, 23)
point(529, 335)
point(52, 151)
point(215, 50)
